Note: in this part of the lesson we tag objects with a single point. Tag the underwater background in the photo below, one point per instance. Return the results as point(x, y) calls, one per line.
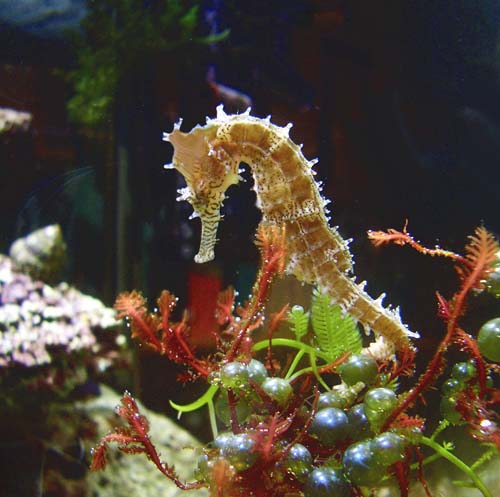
point(399, 101)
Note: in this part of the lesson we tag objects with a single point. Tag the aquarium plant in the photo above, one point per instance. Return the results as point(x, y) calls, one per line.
point(318, 413)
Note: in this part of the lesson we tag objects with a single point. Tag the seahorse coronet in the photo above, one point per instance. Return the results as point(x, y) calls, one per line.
point(209, 158)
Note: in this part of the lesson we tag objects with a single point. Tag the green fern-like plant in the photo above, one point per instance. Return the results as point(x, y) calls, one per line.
point(299, 321)
point(334, 332)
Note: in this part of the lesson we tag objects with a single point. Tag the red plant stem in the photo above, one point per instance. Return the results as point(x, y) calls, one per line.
point(256, 305)
point(420, 472)
point(438, 252)
point(165, 316)
point(404, 238)
point(304, 429)
point(244, 331)
point(233, 414)
point(193, 361)
point(153, 455)
point(481, 368)
point(269, 353)
point(272, 328)
point(151, 337)
point(426, 379)
point(272, 257)
point(268, 445)
point(168, 300)
point(263, 395)
point(402, 476)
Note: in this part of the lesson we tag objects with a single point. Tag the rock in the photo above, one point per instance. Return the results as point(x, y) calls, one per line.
point(41, 254)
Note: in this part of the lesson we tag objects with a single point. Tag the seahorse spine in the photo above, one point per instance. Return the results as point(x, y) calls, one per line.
point(209, 157)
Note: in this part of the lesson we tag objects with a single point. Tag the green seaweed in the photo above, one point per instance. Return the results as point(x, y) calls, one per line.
point(120, 40)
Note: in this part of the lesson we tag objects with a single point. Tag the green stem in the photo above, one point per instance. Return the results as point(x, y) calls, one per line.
point(314, 367)
point(426, 461)
point(458, 463)
point(443, 424)
point(309, 370)
point(213, 420)
point(485, 457)
point(303, 349)
point(295, 363)
point(293, 344)
point(200, 402)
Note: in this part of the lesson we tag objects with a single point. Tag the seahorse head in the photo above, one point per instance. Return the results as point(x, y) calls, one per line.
point(208, 171)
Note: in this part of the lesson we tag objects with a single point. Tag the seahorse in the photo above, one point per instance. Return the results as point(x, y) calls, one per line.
point(209, 158)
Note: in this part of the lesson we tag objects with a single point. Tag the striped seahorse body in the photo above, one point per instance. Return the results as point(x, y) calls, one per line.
point(209, 157)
